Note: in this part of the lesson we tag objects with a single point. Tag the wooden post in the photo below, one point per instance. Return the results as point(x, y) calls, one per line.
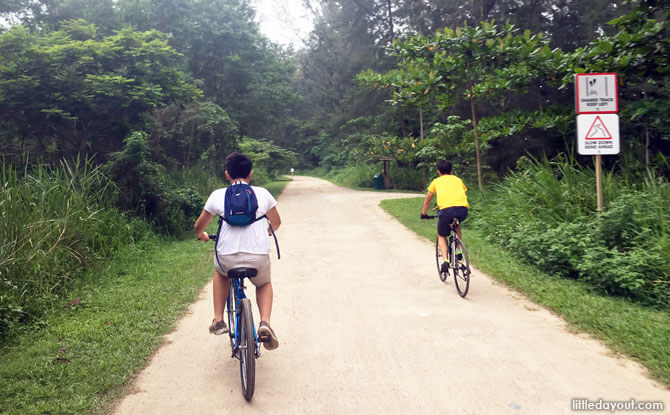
point(599, 182)
point(385, 171)
point(387, 178)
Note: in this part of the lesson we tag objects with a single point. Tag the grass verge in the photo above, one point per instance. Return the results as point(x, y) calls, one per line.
point(643, 333)
point(80, 358)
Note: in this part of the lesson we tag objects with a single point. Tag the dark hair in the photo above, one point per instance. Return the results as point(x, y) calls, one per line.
point(444, 167)
point(238, 165)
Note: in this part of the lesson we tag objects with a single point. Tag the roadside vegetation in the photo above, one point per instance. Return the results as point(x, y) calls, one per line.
point(99, 325)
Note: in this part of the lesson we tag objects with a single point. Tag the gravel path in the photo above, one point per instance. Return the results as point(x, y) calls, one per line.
point(365, 326)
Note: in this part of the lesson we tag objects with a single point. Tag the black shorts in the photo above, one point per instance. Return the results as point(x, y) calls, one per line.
point(445, 216)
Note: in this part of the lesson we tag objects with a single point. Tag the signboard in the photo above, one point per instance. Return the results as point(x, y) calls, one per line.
point(596, 93)
point(598, 134)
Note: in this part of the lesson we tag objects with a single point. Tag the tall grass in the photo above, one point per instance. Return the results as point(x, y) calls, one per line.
point(546, 211)
point(54, 224)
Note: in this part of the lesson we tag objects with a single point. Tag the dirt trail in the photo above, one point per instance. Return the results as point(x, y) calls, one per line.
point(365, 326)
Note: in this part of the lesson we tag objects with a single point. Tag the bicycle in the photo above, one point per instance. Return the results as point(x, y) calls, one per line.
point(244, 340)
point(458, 259)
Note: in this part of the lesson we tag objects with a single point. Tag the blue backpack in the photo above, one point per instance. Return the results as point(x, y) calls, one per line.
point(240, 206)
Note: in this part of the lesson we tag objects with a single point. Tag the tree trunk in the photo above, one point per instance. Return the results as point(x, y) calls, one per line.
point(390, 17)
point(400, 114)
point(385, 171)
point(421, 121)
point(479, 163)
point(646, 145)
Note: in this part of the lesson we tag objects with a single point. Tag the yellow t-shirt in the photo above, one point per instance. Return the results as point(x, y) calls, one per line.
point(450, 191)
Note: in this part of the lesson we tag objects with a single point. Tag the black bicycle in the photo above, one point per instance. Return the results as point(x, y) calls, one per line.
point(458, 260)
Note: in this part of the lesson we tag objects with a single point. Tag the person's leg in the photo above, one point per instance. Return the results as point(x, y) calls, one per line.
point(221, 287)
point(462, 213)
point(443, 231)
point(442, 242)
point(264, 295)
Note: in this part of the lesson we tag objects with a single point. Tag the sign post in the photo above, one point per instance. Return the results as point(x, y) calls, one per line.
point(597, 104)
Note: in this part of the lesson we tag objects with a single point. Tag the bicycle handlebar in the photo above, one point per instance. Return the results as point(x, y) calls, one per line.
point(212, 236)
point(427, 216)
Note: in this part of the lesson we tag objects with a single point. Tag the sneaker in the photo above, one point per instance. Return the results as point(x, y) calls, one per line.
point(267, 336)
point(444, 268)
point(218, 327)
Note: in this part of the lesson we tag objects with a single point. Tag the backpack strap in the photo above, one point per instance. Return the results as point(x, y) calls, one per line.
point(274, 236)
point(218, 238)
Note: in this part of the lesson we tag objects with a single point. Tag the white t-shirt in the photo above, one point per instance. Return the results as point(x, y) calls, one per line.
point(252, 239)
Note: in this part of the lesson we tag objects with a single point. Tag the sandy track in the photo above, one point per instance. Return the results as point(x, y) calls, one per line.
point(365, 326)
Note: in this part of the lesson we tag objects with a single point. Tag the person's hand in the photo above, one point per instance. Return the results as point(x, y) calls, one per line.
point(424, 216)
point(203, 237)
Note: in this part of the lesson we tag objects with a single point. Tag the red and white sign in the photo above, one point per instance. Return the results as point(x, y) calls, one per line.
point(598, 134)
point(596, 93)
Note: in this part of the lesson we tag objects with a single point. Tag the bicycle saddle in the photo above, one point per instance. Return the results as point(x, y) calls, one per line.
point(242, 272)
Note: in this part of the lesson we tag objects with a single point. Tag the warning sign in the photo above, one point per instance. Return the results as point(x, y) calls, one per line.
point(597, 134)
point(598, 131)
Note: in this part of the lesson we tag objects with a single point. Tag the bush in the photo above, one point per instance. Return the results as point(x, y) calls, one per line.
point(146, 190)
point(54, 224)
point(359, 175)
point(546, 212)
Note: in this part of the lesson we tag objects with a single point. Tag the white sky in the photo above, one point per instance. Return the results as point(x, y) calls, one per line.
point(286, 22)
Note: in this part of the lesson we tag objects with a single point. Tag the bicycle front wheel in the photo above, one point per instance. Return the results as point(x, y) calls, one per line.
point(438, 259)
point(461, 269)
point(247, 349)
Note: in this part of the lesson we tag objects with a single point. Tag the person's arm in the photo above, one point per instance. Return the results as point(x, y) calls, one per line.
point(273, 217)
point(201, 224)
point(426, 203)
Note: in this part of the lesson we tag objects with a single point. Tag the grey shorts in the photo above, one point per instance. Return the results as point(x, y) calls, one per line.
point(242, 259)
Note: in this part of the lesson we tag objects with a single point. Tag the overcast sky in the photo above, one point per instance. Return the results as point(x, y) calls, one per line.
point(286, 22)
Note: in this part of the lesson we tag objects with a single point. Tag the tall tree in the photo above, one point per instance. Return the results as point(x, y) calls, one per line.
point(342, 44)
point(73, 91)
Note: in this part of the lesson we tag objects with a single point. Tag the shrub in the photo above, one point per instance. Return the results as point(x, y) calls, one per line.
point(546, 212)
point(54, 224)
point(146, 190)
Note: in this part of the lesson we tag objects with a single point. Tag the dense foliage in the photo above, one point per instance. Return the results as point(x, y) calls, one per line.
point(153, 94)
point(54, 224)
point(544, 212)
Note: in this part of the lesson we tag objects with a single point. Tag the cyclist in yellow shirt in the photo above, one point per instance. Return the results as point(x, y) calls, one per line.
point(451, 202)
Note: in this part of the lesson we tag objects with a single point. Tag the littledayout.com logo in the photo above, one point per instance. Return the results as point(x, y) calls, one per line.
point(583, 404)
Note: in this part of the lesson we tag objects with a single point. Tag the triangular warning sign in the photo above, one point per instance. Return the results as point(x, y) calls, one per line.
point(598, 131)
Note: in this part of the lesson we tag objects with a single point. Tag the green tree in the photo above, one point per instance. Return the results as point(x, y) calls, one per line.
point(71, 91)
point(195, 133)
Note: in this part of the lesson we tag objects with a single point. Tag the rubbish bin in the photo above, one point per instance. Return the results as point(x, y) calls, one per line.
point(378, 181)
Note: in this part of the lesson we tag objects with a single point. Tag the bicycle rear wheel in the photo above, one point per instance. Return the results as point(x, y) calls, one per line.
point(247, 349)
point(438, 259)
point(461, 269)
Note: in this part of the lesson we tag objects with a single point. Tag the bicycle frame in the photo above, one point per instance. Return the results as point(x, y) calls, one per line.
point(235, 297)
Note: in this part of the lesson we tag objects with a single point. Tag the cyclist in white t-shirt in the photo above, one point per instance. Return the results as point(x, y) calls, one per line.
point(242, 246)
